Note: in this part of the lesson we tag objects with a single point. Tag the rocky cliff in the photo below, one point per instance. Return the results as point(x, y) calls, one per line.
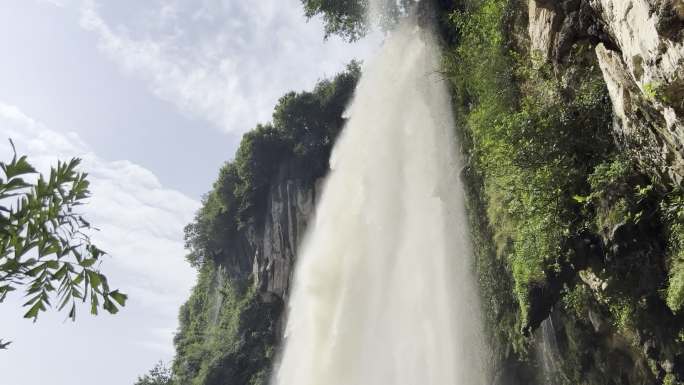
point(290, 207)
point(639, 45)
point(263, 251)
point(596, 286)
point(570, 114)
point(245, 238)
point(244, 309)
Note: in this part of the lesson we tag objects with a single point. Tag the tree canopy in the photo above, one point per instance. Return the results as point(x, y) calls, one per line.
point(347, 18)
point(45, 249)
point(303, 130)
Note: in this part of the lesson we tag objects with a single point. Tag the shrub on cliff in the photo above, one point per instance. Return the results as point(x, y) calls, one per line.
point(533, 139)
point(673, 212)
point(304, 128)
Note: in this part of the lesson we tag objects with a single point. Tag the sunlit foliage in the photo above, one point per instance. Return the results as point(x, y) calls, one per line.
point(303, 130)
point(44, 246)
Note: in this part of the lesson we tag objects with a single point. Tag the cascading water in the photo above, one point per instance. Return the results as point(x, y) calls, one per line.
point(383, 291)
point(548, 353)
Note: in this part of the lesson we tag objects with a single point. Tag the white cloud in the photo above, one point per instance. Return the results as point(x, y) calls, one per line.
point(223, 61)
point(56, 3)
point(226, 61)
point(140, 221)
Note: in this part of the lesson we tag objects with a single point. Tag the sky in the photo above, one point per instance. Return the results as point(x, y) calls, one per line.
point(153, 96)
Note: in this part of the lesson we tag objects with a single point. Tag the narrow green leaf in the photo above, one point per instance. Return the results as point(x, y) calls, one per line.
point(88, 262)
point(19, 167)
point(93, 304)
point(119, 297)
point(95, 279)
point(110, 307)
point(34, 310)
point(61, 273)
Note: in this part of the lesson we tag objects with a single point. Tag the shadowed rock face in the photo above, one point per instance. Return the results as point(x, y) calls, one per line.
point(267, 248)
point(640, 48)
point(258, 265)
point(291, 204)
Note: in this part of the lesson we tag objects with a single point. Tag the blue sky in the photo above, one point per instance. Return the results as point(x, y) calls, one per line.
point(154, 96)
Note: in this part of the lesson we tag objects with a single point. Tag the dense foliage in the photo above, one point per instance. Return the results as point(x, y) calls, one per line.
point(225, 332)
point(304, 127)
point(567, 228)
point(348, 18)
point(673, 210)
point(44, 246)
point(556, 206)
point(159, 375)
point(532, 140)
point(228, 329)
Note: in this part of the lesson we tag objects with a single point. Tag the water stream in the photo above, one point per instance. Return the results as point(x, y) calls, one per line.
point(383, 292)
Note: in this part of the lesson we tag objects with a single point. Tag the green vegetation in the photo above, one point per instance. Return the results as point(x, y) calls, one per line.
point(636, 214)
point(549, 195)
point(159, 375)
point(657, 92)
point(44, 246)
point(348, 18)
point(303, 130)
point(576, 301)
point(228, 328)
point(564, 223)
point(673, 212)
point(610, 197)
point(670, 379)
point(215, 329)
point(533, 138)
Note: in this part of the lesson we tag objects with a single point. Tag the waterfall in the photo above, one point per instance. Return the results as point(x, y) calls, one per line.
point(548, 353)
point(383, 292)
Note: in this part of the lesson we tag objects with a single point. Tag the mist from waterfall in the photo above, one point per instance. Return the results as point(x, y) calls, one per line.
point(384, 293)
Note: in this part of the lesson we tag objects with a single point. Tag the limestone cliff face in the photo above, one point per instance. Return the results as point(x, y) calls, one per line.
point(240, 297)
point(290, 207)
point(264, 251)
point(639, 45)
point(244, 238)
point(640, 48)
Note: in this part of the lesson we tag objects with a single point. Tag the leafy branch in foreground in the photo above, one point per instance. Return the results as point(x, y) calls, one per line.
point(43, 247)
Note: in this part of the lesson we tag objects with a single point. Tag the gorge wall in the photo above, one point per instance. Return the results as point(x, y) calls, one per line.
point(640, 48)
point(583, 211)
point(570, 114)
point(234, 320)
point(245, 237)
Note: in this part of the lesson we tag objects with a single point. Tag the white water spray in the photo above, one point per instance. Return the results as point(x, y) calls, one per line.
point(383, 291)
